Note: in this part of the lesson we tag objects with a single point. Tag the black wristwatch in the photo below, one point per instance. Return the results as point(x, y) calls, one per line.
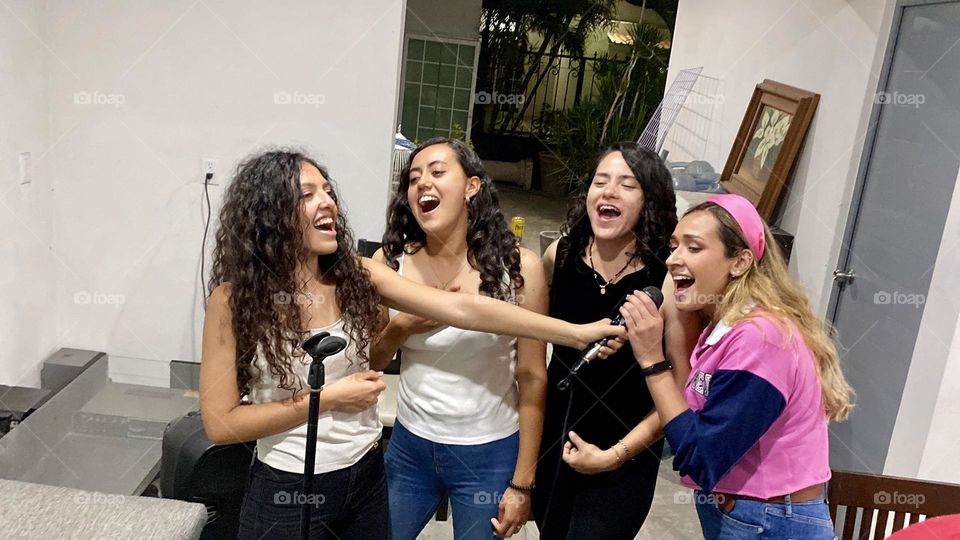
point(659, 367)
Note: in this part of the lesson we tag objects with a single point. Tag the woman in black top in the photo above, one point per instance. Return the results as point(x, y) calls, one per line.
point(597, 479)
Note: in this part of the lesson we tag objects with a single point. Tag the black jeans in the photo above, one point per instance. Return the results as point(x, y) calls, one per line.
point(349, 503)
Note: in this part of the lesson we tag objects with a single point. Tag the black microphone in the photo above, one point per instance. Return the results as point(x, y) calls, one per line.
point(591, 352)
point(319, 346)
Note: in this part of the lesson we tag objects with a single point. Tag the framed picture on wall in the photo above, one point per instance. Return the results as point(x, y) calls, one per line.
point(768, 143)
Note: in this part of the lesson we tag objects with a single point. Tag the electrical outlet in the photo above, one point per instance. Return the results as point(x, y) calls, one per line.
point(209, 168)
point(26, 168)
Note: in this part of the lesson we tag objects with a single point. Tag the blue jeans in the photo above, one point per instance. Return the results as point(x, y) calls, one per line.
point(420, 473)
point(754, 519)
point(349, 504)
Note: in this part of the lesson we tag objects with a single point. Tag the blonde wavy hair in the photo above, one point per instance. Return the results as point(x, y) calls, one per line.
point(767, 284)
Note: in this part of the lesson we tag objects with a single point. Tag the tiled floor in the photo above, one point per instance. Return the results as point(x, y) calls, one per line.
point(672, 517)
point(540, 212)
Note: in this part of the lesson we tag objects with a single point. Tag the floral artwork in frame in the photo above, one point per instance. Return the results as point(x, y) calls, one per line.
point(768, 144)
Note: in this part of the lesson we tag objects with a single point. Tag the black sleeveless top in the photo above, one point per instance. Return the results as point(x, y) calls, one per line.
point(610, 396)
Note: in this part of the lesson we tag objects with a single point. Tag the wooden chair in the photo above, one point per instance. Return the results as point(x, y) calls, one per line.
point(900, 501)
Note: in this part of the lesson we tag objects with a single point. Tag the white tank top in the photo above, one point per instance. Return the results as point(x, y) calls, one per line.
point(342, 437)
point(458, 386)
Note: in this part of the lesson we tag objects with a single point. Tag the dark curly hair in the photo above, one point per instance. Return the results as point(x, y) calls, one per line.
point(491, 246)
point(658, 218)
point(258, 245)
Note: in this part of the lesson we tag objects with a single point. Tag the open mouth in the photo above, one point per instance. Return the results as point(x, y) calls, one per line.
point(325, 225)
point(428, 203)
point(608, 212)
point(682, 282)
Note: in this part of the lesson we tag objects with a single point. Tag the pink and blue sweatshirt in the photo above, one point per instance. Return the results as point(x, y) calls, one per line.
point(756, 425)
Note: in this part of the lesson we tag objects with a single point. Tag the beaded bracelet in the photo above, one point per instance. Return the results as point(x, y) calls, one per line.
point(616, 453)
point(525, 489)
point(626, 450)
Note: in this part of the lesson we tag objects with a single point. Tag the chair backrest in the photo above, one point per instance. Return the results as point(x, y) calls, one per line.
point(367, 247)
point(878, 500)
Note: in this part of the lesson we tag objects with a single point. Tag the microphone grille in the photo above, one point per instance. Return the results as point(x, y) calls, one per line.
point(654, 294)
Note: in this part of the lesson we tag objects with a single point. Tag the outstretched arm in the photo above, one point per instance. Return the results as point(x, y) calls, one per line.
point(481, 313)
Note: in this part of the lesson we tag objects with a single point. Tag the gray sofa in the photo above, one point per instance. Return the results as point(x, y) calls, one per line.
point(41, 511)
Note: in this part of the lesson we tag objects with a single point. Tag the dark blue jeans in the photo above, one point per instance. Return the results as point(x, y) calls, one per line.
point(756, 519)
point(421, 472)
point(349, 503)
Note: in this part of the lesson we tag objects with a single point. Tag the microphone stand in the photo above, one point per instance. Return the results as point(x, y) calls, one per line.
point(319, 347)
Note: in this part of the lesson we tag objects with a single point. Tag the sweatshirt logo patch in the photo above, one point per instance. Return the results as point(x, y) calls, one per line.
point(701, 383)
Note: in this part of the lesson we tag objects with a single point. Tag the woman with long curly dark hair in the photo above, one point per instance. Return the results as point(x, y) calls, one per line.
point(601, 443)
point(472, 399)
point(284, 268)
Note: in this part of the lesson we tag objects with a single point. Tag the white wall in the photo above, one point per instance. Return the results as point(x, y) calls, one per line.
point(831, 47)
point(162, 85)
point(27, 262)
point(835, 48)
point(924, 439)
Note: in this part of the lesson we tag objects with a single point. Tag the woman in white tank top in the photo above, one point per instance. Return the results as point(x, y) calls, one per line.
point(284, 267)
point(465, 428)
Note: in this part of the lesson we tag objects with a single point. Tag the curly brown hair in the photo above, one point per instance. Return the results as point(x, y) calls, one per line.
point(258, 246)
point(658, 217)
point(491, 247)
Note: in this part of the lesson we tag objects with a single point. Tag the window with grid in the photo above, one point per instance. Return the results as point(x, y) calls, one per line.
point(437, 90)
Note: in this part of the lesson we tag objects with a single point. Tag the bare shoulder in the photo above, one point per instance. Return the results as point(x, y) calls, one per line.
point(528, 258)
point(550, 259)
point(220, 296)
point(379, 256)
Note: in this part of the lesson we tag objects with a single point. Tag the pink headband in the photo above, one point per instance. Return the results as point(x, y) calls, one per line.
point(747, 218)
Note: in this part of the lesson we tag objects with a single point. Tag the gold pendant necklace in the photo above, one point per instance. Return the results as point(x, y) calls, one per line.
point(597, 276)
